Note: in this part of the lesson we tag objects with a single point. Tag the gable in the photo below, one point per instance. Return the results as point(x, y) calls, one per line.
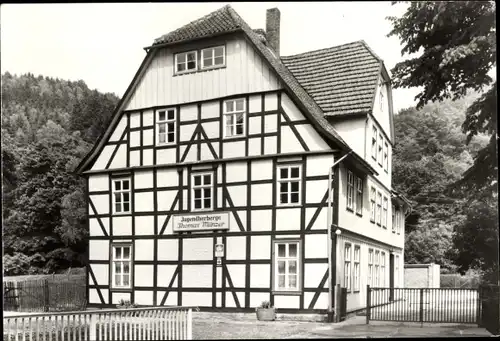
point(244, 72)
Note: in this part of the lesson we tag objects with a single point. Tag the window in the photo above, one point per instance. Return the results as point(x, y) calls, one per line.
point(347, 266)
point(382, 269)
point(374, 142)
point(286, 266)
point(202, 191)
point(186, 61)
point(380, 145)
point(289, 185)
point(165, 122)
point(370, 267)
point(400, 220)
point(350, 190)
point(234, 117)
point(122, 259)
point(359, 196)
point(212, 57)
point(377, 269)
point(373, 194)
point(384, 216)
point(396, 271)
point(356, 267)
point(386, 156)
point(121, 195)
point(379, 208)
point(393, 219)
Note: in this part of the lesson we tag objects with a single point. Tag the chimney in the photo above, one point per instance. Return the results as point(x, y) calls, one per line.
point(273, 29)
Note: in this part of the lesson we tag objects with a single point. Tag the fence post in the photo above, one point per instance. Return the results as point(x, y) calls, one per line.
point(421, 305)
point(190, 324)
point(478, 308)
point(92, 327)
point(46, 297)
point(368, 304)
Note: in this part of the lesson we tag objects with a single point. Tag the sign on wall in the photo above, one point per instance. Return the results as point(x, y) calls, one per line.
point(201, 222)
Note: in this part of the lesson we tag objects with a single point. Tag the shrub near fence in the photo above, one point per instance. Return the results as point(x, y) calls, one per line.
point(44, 296)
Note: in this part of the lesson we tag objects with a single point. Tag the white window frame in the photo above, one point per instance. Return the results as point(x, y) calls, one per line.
point(373, 204)
point(393, 221)
point(377, 268)
point(356, 268)
point(379, 208)
point(166, 122)
point(384, 212)
point(359, 196)
point(122, 261)
point(289, 180)
point(234, 113)
point(386, 156)
point(380, 148)
point(121, 192)
point(400, 221)
point(213, 66)
point(374, 142)
point(370, 266)
point(382, 269)
point(185, 61)
point(287, 260)
point(350, 191)
point(396, 271)
point(347, 266)
point(202, 186)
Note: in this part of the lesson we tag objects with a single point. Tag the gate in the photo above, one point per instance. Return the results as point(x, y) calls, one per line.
point(490, 308)
point(439, 305)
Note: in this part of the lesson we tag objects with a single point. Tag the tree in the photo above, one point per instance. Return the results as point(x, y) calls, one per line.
point(457, 42)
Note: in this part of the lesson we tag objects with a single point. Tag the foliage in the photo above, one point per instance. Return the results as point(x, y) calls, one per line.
point(44, 205)
point(265, 305)
point(429, 155)
point(455, 47)
point(125, 304)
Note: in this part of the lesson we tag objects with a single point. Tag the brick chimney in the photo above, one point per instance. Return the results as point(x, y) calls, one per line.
point(273, 29)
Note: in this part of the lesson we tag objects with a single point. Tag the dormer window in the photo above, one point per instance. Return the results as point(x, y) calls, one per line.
point(186, 61)
point(381, 98)
point(213, 57)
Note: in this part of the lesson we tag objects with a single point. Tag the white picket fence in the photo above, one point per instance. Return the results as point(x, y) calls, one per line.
point(159, 323)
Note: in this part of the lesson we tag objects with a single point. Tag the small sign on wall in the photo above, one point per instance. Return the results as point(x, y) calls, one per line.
point(201, 222)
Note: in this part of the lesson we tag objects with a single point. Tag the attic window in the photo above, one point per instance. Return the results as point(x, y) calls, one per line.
point(213, 57)
point(186, 61)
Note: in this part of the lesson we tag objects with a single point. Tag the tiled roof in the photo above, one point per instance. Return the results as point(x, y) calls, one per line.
point(217, 22)
point(342, 79)
point(223, 21)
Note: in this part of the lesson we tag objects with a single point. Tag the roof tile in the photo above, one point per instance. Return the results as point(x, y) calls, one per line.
point(340, 79)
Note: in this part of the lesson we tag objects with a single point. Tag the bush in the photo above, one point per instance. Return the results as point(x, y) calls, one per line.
point(265, 305)
point(122, 304)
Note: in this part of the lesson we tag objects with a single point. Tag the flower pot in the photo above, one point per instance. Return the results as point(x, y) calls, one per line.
point(266, 314)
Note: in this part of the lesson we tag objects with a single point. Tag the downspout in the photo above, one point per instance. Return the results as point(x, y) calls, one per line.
point(329, 238)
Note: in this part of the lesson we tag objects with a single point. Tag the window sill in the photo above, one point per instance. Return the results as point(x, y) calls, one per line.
point(234, 137)
point(289, 206)
point(356, 291)
point(205, 210)
point(121, 213)
point(372, 221)
point(289, 293)
point(182, 73)
point(349, 209)
point(165, 144)
point(359, 214)
point(121, 289)
point(210, 68)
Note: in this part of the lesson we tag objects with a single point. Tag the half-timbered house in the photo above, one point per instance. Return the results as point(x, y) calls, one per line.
point(209, 187)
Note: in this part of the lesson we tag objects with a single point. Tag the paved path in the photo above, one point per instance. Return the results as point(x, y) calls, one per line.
point(246, 326)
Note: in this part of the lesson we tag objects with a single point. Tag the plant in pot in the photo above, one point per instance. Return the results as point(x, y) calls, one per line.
point(125, 304)
point(266, 312)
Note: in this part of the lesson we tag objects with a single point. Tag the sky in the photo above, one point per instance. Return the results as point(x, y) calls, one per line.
point(102, 44)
